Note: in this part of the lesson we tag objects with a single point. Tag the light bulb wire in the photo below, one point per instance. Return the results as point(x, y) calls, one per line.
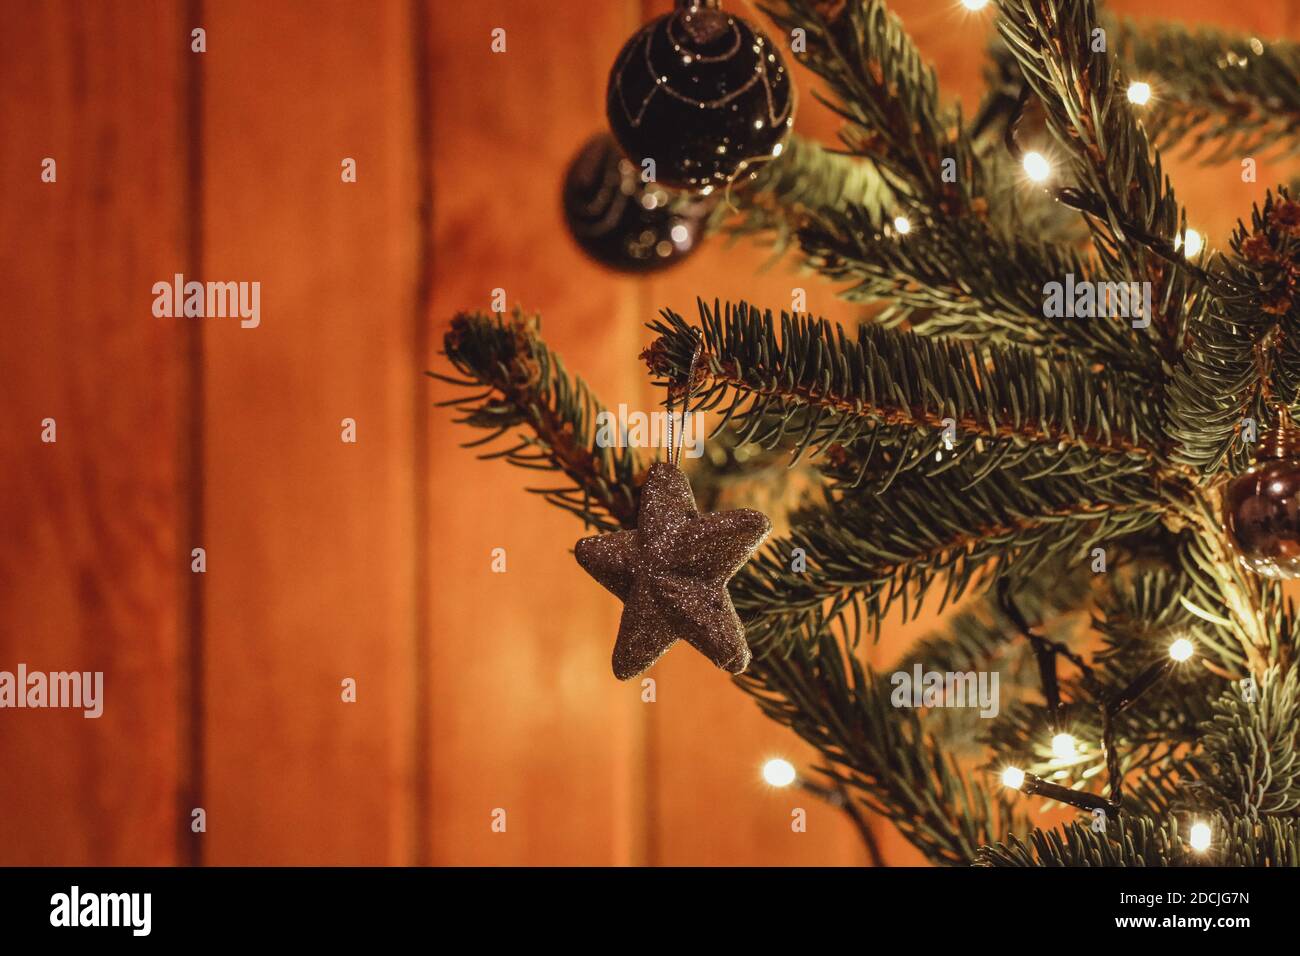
point(1110, 704)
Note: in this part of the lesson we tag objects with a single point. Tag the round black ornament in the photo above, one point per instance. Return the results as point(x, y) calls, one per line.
point(1261, 508)
point(701, 93)
point(623, 222)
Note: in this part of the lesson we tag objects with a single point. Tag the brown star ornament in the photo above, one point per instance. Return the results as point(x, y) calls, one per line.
point(671, 574)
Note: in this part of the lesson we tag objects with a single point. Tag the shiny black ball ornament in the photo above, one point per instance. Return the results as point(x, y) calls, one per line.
point(1261, 509)
point(623, 222)
point(703, 94)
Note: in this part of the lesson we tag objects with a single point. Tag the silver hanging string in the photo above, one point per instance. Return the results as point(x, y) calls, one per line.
point(675, 449)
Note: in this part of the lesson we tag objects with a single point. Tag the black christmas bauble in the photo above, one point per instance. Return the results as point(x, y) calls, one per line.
point(623, 222)
point(703, 94)
point(1261, 510)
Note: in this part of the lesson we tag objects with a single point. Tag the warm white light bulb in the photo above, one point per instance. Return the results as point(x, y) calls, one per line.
point(1192, 243)
point(778, 772)
point(1013, 777)
point(1064, 746)
point(1139, 93)
point(902, 225)
point(974, 4)
point(1181, 649)
point(1037, 167)
point(1200, 837)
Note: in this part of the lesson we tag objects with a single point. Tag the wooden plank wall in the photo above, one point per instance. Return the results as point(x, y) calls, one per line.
point(311, 545)
point(92, 526)
point(327, 560)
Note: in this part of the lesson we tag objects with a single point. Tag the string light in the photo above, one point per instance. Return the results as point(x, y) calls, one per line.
point(1201, 836)
point(902, 226)
point(1037, 167)
point(1030, 784)
point(1064, 746)
point(974, 5)
point(1139, 93)
point(1092, 204)
point(1192, 243)
point(1180, 650)
point(778, 772)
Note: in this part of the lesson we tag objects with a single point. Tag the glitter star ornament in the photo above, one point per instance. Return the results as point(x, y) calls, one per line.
point(671, 574)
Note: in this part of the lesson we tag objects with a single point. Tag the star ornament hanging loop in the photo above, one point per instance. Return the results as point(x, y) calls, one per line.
point(671, 572)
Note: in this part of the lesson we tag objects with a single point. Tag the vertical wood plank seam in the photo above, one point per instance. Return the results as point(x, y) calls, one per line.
point(191, 683)
point(422, 764)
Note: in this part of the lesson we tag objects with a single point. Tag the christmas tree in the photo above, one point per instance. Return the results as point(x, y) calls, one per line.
point(1059, 412)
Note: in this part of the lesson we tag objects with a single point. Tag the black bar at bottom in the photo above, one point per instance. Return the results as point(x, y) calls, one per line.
point(545, 907)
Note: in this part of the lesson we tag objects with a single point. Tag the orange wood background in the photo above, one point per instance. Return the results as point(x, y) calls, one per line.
point(327, 560)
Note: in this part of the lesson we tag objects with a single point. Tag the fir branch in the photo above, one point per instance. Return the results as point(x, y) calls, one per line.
point(865, 553)
point(806, 178)
point(982, 634)
point(1142, 610)
point(889, 97)
point(979, 285)
point(1139, 616)
point(1003, 396)
point(964, 260)
point(1161, 789)
point(1244, 353)
point(1023, 735)
point(1147, 841)
point(1247, 616)
point(1120, 184)
point(1138, 841)
point(1268, 842)
point(981, 638)
point(521, 384)
point(1250, 766)
point(883, 752)
point(1224, 95)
